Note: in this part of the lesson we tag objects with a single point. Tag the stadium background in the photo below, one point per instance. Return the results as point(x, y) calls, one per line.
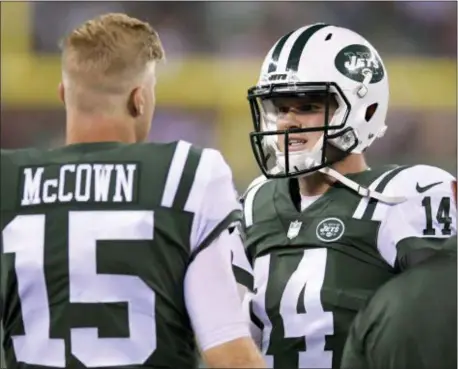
point(214, 51)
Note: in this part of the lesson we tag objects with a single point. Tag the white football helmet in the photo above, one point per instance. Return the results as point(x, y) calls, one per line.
point(321, 59)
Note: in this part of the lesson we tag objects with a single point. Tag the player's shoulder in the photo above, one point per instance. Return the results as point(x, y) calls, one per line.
point(5, 155)
point(19, 156)
point(205, 167)
point(10, 153)
point(256, 199)
point(210, 163)
point(253, 187)
point(257, 182)
point(187, 157)
point(212, 192)
point(416, 180)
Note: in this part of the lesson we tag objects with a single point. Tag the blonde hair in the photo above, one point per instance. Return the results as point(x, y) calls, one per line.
point(110, 49)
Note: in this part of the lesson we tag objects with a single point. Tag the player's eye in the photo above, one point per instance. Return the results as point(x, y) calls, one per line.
point(305, 108)
point(283, 109)
point(301, 108)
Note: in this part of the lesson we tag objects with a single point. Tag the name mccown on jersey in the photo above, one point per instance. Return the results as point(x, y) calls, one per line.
point(79, 183)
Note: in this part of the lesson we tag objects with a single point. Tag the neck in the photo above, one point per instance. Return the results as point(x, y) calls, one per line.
point(87, 129)
point(318, 183)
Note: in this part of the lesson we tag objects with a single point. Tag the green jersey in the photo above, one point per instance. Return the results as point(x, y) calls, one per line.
point(410, 322)
point(96, 241)
point(317, 260)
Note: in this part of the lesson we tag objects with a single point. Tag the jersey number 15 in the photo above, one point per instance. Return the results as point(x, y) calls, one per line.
point(25, 237)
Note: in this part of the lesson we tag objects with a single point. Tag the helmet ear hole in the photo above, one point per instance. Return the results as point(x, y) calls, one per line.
point(370, 111)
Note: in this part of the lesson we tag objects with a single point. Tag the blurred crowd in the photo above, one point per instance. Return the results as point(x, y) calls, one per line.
point(245, 30)
point(248, 28)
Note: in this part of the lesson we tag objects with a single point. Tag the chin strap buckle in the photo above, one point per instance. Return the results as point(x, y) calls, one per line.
point(363, 89)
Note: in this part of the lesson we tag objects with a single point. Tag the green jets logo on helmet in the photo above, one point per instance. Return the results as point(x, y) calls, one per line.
point(353, 60)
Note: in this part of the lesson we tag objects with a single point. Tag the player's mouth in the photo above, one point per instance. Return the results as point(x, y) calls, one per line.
point(296, 144)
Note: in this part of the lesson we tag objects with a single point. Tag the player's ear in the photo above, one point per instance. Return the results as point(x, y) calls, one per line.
point(61, 92)
point(136, 103)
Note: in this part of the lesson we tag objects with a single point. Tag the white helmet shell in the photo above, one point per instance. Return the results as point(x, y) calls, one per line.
point(321, 57)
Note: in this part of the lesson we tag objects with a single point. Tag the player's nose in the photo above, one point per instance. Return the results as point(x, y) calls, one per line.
point(291, 121)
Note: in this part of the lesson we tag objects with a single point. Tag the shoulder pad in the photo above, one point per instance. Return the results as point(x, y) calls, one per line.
point(253, 183)
point(418, 179)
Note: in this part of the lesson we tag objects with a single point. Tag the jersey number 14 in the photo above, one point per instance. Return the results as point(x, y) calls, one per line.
point(314, 324)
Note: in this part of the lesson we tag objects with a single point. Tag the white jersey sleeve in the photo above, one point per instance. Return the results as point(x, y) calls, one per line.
point(244, 275)
point(211, 295)
point(424, 221)
point(210, 289)
point(212, 199)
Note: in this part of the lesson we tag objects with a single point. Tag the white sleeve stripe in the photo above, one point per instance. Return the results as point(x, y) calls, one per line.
point(201, 179)
point(198, 190)
point(175, 173)
point(249, 201)
point(364, 202)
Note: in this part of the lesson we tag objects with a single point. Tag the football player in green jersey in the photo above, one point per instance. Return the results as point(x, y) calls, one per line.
point(114, 251)
point(322, 229)
point(411, 321)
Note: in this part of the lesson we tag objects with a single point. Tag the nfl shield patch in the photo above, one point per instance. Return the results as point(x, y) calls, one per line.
point(294, 229)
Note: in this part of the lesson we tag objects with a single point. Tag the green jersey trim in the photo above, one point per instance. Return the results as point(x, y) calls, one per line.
point(369, 212)
point(234, 216)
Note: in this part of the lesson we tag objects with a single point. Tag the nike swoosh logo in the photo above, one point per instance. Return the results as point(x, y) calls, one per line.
point(421, 189)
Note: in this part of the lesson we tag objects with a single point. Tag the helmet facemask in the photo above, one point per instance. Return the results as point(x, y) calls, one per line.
point(272, 147)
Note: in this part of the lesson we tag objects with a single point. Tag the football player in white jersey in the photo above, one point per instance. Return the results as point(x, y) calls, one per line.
point(322, 229)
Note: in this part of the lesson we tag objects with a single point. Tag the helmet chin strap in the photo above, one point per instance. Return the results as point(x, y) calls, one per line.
point(361, 190)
